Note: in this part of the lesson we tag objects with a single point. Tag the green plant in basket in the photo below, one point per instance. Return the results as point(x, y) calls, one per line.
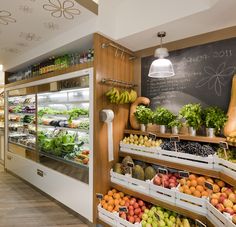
point(163, 116)
point(214, 117)
point(176, 123)
point(192, 113)
point(143, 114)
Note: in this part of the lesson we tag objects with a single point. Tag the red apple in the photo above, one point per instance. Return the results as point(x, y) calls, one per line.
point(132, 202)
point(137, 211)
point(172, 181)
point(228, 203)
point(173, 178)
point(131, 212)
point(222, 199)
point(229, 210)
point(228, 191)
point(123, 215)
point(165, 178)
point(220, 207)
point(224, 189)
point(232, 197)
point(131, 219)
point(127, 204)
point(140, 203)
point(131, 207)
point(140, 215)
point(214, 202)
point(135, 216)
point(157, 180)
point(136, 205)
point(172, 185)
point(137, 220)
point(143, 208)
point(166, 184)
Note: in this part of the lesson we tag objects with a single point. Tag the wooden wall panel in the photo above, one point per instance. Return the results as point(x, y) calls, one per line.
point(107, 65)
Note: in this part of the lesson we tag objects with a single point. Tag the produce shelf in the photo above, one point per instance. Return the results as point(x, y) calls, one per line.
point(64, 103)
point(70, 162)
point(150, 199)
point(24, 146)
point(69, 129)
point(181, 136)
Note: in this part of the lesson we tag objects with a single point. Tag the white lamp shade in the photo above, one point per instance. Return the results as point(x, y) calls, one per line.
point(161, 68)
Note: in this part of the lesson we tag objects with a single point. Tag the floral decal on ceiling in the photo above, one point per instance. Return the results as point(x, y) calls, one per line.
point(216, 78)
point(11, 50)
point(29, 36)
point(25, 9)
point(6, 18)
point(62, 8)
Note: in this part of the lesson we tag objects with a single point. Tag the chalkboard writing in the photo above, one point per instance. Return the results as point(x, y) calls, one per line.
point(203, 75)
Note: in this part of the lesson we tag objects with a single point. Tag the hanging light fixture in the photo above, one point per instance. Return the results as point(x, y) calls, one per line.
point(161, 67)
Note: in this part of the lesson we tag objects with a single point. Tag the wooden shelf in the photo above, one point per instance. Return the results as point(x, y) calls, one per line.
point(52, 74)
point(149, 199)
point(207, 172)
point(181, 136)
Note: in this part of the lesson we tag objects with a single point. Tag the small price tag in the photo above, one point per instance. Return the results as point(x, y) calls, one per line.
point(199, 223)
point(162, 171)
point(184, 174)
point(157, 216)
point(224, 145)
point(174, 139)
point(209, 185)
point(123, 209)
point(130, 164)
point(152, 136)
point(99, 196)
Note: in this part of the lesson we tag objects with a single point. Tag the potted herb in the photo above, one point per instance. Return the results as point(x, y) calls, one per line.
point(175, 125)
point(214, 119)
point(162, 117)
point(192, 113)
point(143, 115)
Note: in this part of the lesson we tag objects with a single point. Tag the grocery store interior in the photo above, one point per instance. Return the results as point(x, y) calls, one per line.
point(118, 113)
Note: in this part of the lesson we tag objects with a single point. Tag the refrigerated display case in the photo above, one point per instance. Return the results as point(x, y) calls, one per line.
point(50, 137)
point(2, 113)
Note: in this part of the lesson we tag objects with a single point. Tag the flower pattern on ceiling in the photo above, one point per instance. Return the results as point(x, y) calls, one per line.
point(51, 26)
point(11, 50)
point(6, 18)
point(62, 8)
point(28, 36)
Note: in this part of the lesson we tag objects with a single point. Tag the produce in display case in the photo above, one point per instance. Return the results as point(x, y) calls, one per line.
point(21, 121)
point(63, 129)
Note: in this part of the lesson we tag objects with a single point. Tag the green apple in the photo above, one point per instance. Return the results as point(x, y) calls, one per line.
point(162, 223)
point(146, 211)
point(143, 223)
point(150, 213)
point(154, 209)
point(172, 218)
point(149, 220)
point(148, 225)
point(166, 214)
point(154, 224)
point(145, 217)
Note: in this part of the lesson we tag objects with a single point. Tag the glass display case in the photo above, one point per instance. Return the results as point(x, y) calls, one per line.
point(63, 131)
point(22, 125)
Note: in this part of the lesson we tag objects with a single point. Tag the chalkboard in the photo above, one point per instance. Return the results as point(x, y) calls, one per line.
point(203, 75)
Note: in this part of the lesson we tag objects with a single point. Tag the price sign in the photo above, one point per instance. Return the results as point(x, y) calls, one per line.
point(99, 196)
point(209, 185)
point(224, 145)
point(199, 223)
point(162, 171)
point(152, 136)
point(157, 216)
point(174, 139)
point(184, 174)
point(123, 209)
point(130, 164)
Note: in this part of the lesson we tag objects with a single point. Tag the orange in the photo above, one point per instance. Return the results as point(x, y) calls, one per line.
point(192, 177)
point(116, 201)
point(189, 183)
point(181, 189)
point(205, 193)
point(116, 208)
point(122, 202)
point(106, 197)
point(116, 195)
point(185, 187)
point(187, 191)
point(197, 194)
point(125, 198)
point(201, 181)
point(105, 206)
point(103, 202)
point(110, 208)
point(192, 189)
point(200, 188)
point(193, 183)
point(210, 180)
point(114, 190)
point(121, 194)
point(111, 202)
point(110, 193)
point(182, 181)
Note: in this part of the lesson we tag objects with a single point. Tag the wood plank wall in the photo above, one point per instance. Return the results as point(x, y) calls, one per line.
point(107, 65)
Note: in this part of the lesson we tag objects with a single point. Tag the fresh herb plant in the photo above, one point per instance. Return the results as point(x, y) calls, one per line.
point(192, 114)
point(176, 122)
point(163, 116)
point(143, 114)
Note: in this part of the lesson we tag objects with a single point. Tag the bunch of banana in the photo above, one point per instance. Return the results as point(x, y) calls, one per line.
point(124, 98)
point(132, 96)
point(113, 95)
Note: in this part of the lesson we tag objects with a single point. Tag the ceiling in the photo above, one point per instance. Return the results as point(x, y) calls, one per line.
point(30, 23)
point(33, 32)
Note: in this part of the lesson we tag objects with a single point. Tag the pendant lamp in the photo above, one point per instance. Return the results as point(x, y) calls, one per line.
point(161, 67)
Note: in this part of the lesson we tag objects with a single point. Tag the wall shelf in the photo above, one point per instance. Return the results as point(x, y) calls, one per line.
point(181, 136)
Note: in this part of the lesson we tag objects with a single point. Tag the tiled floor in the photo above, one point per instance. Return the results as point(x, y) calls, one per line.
point(22, 205)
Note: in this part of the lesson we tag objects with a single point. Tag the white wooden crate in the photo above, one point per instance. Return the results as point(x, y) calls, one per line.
point(192, 203)
point(125, 223)
point(129, 182)
point(186, 159)
point(107, 217)
point(227, 167)
point(216, 216)
point(162, 193)
point(230, 223)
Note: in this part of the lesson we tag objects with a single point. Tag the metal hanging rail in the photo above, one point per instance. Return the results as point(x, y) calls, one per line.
point(105, 45)
point(119, 83)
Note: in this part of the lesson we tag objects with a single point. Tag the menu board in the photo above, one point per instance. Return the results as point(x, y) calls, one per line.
point(203, 75)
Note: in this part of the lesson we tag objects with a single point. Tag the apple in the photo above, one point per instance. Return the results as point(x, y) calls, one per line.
point(140, 203)
point(140, 215)
point(149, 220)
point(224, 189)
point(132, 202)
point(137, 220)
point(136, 205)
point(127, 204)
point(145, 217)
point(123, 215)
point(148, 225)
point(143, 223)
point(165, 177)
point(131, 212)
point(234, 208)
point(172, 185)
point(154, 209)
point(150, 213)
point(157, 181)
point(172, 181)
point(137, 211)
point(143, 208)
point(228, 191)
point(224, 194)
point(131, 207)
point(220, 207)
point(215, 196)
point(166, 183)
point(228, 203)
point(222, 199)
point(146, 211)
point(131, 219)
point(214, 202)
point(172, 218)
point(173, 178)
point(229, 210)
point(232, 197)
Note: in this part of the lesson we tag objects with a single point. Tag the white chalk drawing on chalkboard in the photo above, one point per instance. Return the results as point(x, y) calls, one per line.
point(216, 78)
